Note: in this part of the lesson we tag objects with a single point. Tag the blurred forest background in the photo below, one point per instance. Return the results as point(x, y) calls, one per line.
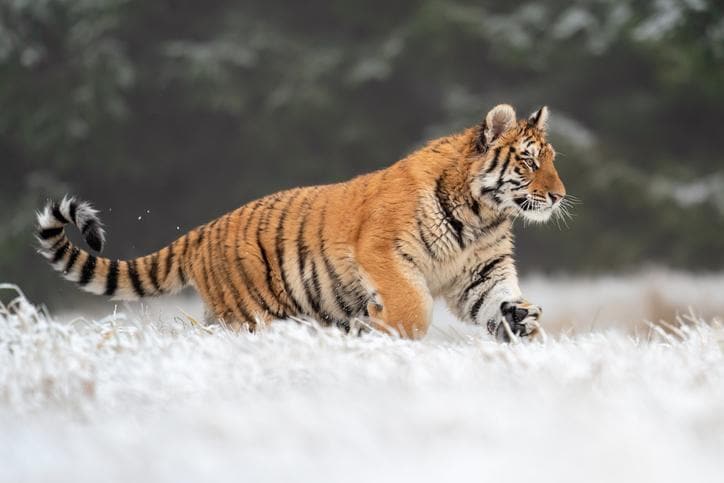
point(167, 113)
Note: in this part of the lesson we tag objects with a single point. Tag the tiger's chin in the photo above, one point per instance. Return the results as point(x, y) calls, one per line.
point(533, 211)
point(537, 216)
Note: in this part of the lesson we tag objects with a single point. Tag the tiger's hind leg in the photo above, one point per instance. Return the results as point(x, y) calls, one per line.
point(402, 303)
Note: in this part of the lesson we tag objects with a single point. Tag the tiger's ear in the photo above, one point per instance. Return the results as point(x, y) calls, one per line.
point(539, 119)
point(497, 121)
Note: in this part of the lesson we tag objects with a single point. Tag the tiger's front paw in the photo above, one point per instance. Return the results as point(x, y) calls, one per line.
point(521, 317)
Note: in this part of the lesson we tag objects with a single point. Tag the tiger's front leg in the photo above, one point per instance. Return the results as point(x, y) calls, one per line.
point(487, 293)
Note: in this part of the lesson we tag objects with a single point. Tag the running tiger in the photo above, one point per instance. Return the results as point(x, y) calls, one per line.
point(379, 247)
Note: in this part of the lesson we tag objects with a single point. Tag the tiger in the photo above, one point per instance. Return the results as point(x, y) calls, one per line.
point(379, 248)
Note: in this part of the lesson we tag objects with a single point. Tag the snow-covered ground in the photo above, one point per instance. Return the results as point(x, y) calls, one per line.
point(151, 396)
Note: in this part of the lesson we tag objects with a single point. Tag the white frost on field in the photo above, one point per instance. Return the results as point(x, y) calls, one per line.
point(580, 304)
point(132, 399)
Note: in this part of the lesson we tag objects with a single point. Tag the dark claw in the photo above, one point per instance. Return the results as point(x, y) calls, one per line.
point(501, 334)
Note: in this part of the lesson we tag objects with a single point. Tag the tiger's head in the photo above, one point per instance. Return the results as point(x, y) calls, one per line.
point(513, 170)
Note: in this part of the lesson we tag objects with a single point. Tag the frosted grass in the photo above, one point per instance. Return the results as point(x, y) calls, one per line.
point(128, 397)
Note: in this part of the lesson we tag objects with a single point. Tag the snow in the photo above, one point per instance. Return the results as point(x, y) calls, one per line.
point(147, 397)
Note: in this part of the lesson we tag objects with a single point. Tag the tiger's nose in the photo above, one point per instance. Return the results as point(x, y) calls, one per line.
point(555, 197)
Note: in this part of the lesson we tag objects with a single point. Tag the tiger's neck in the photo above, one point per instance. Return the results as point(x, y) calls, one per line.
point(453, 183)
point(456, 220)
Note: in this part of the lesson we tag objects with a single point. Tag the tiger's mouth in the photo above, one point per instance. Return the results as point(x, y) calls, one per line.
point(527, 204)
point(532, 209)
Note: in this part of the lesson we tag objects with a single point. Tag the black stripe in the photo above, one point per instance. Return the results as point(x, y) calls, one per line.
point(279, 246)
point(88, 225)
point(57, 214)
point(302, 251)
point(243, 309)
point(502, 171)
point(495, 223)
point(73, 210)
point(478, 303)
point(181, 273)
point(88, 270)
point(135, 279)
point(443, 200)
point(93, 238)
point(71, 260)
point(407, 257)
point(493, 162)
point(214, 251)
point(208, 272)
point(334, 279)
point(485, 191)
point(476, 308)
point(112, 278)
point(475, 207)
point(312, 287)
point(361, 297)
point(60, 252)
point(482, 275)
point(201, 259)
point(263, 222)
point(268, 277)
point(337, 286)
point(168, 262)
point(250, 218)
point(201, 235)
point(253, 291)
point(236, 295)
point(316, 297)
point(153, 272)
point(47, 233)
point(302, 248)
point(480, 144)
point(423, 238)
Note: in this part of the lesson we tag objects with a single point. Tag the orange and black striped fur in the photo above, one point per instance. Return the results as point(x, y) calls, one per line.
point(381, 246)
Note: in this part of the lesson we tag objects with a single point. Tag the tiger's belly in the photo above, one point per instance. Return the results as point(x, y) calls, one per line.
point(329, 289)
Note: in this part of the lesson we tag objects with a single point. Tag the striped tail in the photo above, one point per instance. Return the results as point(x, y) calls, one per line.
point(158, 273)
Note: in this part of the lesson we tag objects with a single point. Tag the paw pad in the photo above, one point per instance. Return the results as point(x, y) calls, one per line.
point(520, 317)
point(513, 313)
